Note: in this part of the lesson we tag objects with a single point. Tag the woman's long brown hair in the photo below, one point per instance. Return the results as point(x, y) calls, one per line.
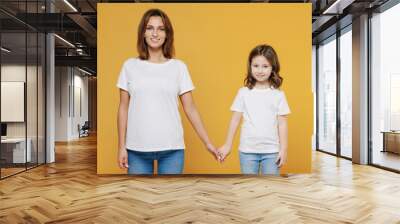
point(168, 46)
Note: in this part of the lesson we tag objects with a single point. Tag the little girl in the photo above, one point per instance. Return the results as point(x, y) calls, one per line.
point(263, 139)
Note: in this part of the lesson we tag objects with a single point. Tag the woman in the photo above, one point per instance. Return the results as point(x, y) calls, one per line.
point(149, 124)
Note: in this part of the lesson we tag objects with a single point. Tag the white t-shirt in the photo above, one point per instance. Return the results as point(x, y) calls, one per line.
point(154, 123)
point(260, 108)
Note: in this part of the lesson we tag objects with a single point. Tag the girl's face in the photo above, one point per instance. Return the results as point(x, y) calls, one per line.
point(155, 32)
point(260, 68)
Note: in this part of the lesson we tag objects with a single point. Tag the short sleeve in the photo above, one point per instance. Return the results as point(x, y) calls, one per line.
point(123, 80)
point(283, 107)
point(238, 104)
point(185, 82)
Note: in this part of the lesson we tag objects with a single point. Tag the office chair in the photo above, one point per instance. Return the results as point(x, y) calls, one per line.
point(84, 130)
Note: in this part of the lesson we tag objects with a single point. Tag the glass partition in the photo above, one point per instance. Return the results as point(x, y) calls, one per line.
point(385, 89)
point(327, 95)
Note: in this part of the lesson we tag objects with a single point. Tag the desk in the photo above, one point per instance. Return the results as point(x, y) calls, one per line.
point(15, 148)
point(391, 141)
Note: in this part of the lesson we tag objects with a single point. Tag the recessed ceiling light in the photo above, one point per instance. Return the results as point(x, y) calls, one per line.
point(337, 7)
point(70, 5)
point(84, 71)
point(5, 50)
point(64, 40)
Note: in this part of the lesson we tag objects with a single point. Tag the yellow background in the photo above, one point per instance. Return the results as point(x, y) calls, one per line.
point(214, 40)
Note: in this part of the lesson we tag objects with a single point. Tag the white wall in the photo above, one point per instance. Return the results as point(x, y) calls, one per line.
point(314, 91)
point(62, 80)
point(71, 102)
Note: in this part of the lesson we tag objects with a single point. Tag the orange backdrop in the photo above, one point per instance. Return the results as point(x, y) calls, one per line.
point(214, 40)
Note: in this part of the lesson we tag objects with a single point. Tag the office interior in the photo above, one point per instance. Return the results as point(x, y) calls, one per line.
point(48, 120)
point(48, 79)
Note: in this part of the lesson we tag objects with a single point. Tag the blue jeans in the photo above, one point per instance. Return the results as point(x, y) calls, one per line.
point(169, 162)
point(254, 163)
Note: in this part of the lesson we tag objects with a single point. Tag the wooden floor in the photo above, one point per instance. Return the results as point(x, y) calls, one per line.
point(69, 191)
point(5, 172)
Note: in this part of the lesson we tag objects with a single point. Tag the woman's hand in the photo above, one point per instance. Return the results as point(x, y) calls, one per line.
point(123, 158)
point(211, 148)
point(281, 160)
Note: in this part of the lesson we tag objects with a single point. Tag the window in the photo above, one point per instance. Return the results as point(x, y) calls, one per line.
point(346, 92)
point(327, 95)
point(385, 88)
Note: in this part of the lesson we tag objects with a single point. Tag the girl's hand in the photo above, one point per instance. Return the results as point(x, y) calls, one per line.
point(281, 160)
point(123, 158)
point(224, 152)
point(211, 148)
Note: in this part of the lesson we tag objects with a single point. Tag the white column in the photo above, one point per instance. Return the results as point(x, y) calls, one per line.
point(50, 110)
point(360, 90)
point(50, 92)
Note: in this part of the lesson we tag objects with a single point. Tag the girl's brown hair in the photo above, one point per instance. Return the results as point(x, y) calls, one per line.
point(269, 53)
point(168, 46)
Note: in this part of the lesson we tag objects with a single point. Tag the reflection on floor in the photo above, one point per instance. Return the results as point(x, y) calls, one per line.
point(386, 159)
point(10, 169)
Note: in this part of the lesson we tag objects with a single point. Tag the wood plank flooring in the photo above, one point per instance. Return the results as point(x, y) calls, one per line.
point(70, 191)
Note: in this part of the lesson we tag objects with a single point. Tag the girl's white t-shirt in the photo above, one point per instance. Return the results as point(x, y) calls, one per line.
point(154, 123)
point(260, 108)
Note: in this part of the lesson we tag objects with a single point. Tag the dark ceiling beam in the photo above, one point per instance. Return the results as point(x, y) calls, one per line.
point(91, 5)
point(47, 22)
point(84, 24)
point(331, 28)
point(337, 7)
point(15, 18)
point(86, 51)
point(321, 22)
point(84, 61)
point(329, 14)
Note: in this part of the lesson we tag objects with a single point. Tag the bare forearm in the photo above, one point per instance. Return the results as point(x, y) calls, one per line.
point(195, 119)
point(283, 134)
point(122, 123)
point(233, 125)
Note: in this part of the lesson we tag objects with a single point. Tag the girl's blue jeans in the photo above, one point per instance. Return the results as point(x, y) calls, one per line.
point(256, 163)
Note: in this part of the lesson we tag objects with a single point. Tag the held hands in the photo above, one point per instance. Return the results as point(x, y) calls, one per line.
point(214, 151)
point(224, 152)
point(123, 158)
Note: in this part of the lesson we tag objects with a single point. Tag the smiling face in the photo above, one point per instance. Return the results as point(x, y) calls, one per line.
point(155, 33)
point(263, 68)
point(260, 69)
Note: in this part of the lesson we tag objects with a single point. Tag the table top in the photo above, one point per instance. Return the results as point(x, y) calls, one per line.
point(391, 132)
point(13, 140)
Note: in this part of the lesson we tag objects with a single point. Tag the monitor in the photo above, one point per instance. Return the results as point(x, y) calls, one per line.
point(3, 129)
